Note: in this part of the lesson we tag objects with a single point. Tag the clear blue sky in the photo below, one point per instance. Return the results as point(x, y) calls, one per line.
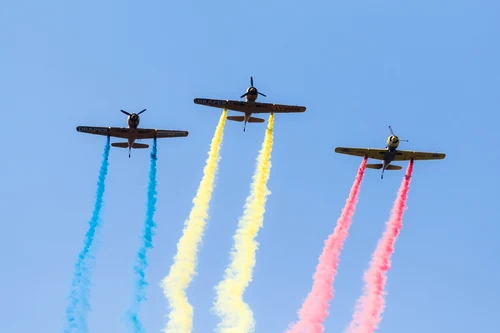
point(428, 68)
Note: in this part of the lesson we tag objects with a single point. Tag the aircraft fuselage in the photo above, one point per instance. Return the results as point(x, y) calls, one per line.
point(392, 145)
point(251, 97)
point(133, 122)
point(390, 155)
point(388, 158)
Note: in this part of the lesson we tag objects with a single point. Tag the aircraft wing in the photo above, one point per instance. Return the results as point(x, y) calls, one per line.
point(216, 103)
point(149, 133)
point(253, 107)
point(142, 133)
point(405, 155)
point(370, 152)
point(276, 108)
point(118, 132)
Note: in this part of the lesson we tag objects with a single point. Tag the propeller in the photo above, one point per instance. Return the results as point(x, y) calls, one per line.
point(128, 114)
point(392, 133)
point(251, 86)
point(390, 129)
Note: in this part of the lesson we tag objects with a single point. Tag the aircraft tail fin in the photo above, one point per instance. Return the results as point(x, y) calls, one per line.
point(374, 166)
point(120, 144)
point(140, 145)
point(236, 118)
point(255, 120)
point(394, 167)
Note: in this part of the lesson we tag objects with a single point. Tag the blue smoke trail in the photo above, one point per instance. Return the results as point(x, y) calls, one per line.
point(76, 312)
point(142, 263)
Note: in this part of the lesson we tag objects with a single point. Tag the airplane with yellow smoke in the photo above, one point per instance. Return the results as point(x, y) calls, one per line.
point(249, 106)
point(132, 133)
point(389, 153)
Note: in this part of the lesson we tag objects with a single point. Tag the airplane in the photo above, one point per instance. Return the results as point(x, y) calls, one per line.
point(131, 133)
point(389, 154)
point(249, 106)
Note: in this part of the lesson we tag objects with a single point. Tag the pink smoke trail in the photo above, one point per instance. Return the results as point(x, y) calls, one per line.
point(315, 308)
point(371, 304)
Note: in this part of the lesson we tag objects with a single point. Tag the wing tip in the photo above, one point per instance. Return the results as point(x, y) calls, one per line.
point(440, 156)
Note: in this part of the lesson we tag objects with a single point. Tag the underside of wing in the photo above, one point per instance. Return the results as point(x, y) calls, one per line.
point(111, 131)
point(240, 106)
point(93, 130)
point(369, 152)
point(216, 103)
point(149, 133)
point(172, 134)
point(406, 155)
point(253, 107)
point(276, 108)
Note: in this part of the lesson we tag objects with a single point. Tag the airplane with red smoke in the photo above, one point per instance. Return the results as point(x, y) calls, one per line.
point(389, 153)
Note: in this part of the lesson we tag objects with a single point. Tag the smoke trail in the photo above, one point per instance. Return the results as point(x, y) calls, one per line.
point(370, 305)
point(315, 308)
point(76, 312)
point(183, 269)
point(139, 294)
point(236, 315)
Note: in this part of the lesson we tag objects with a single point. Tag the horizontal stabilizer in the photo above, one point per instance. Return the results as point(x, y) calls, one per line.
point(255, 120)
point(120, 144)
point(140, 145)
point(394, 167)
point(236, 118)
point(374, 166)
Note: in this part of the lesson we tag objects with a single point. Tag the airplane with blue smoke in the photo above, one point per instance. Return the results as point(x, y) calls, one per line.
point(132, 133)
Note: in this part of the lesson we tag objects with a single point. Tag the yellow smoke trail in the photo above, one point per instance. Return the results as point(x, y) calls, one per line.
point(236, 316)
point(182, 270)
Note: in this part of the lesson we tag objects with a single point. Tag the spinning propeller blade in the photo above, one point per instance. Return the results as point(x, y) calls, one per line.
point(390, 129)
point(254, 90)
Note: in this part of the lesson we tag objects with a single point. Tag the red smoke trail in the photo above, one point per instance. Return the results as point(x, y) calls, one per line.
point(370, 306)
point(315, 308)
